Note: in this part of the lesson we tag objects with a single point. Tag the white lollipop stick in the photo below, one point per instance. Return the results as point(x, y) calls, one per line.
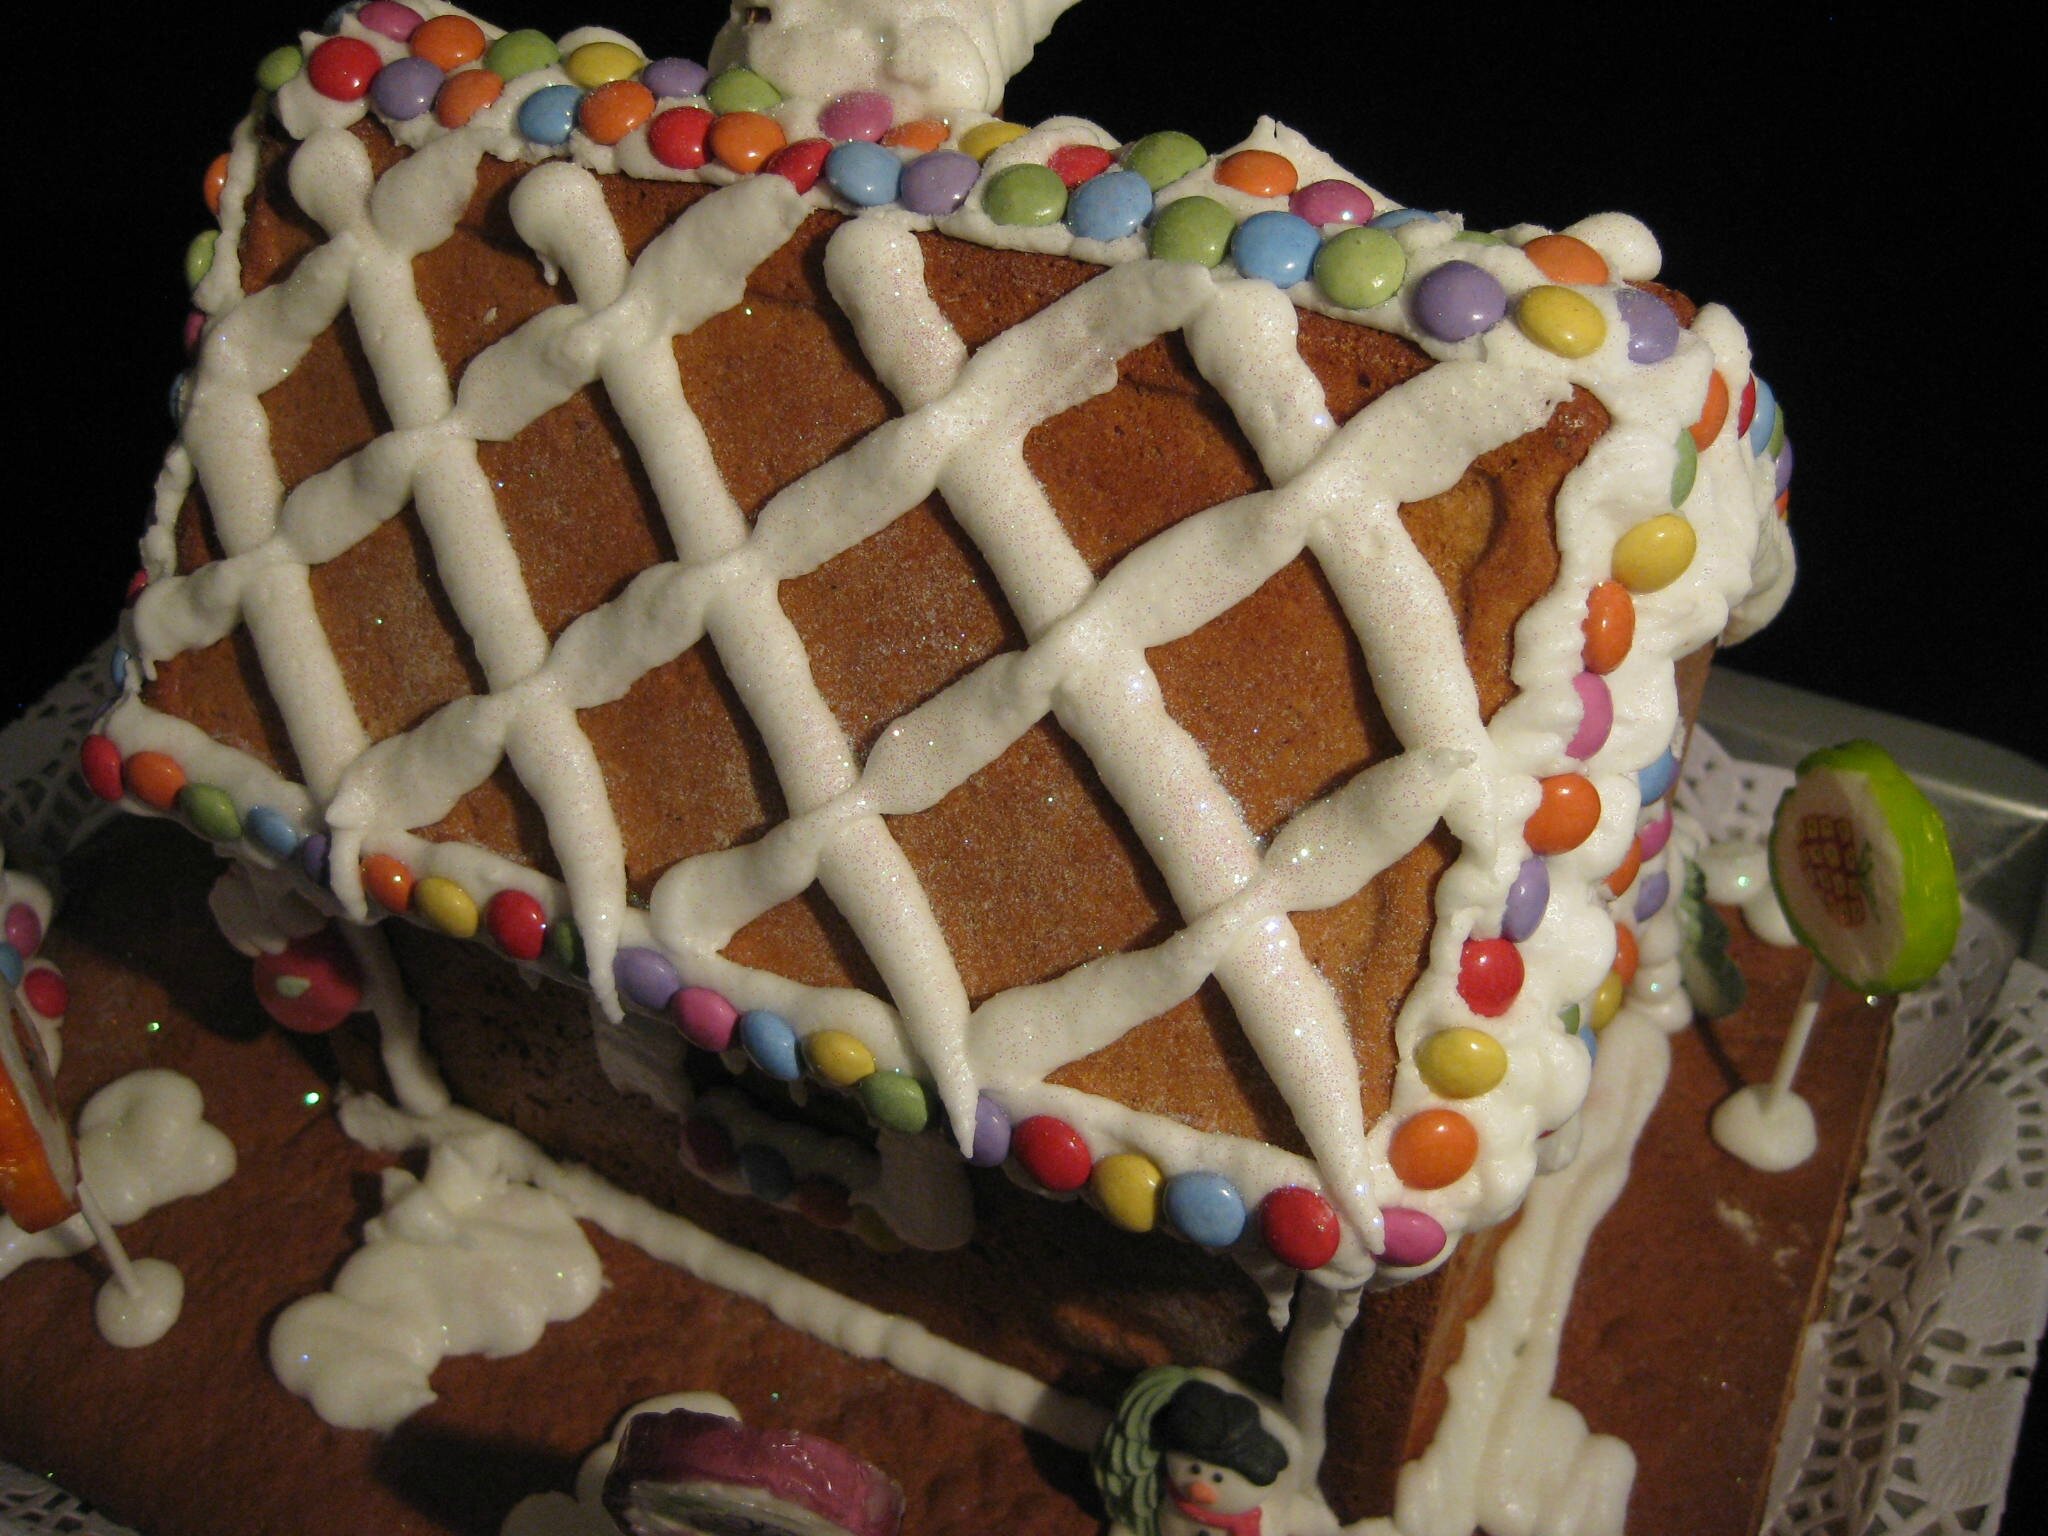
point(139, 1304)
point(1767, 1125)
point(109, 1240)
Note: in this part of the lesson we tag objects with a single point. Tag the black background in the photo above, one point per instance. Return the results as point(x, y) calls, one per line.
point(1849, 186)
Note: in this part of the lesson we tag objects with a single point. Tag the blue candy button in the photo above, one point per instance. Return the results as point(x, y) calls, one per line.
point(1206, 1208)
point(865, 174)
point(770, 1043)
point(266, 827)
point(1277, 246)
point(1109, 206)
point(1656, 778)
point(548, 116)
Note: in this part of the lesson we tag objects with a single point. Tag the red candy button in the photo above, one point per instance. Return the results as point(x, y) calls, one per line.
point(800, 164)
point(1626, 954)
point(342, 68)
point(100, 761)
point(1489, 976)
point(1746, 412)
point(676, 137)
point(311, 985)
point(44, 990)
point(1076, 163)
point(1052, 1152)
point(517, 923)
point(1299, 1227)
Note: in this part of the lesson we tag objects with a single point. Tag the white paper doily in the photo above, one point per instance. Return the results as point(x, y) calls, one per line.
point(1910, 1391)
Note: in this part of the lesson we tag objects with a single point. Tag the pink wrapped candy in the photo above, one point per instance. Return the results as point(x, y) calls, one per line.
point(686, 1472)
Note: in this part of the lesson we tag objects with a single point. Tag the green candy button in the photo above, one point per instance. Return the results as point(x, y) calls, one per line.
point(1686, 470)
point(211, 812)
point(1862, 866)
point(896, 1100)
point(279, 67)
point(1196, 229)
point(1026, 195)
point(521, 53)
point(199, 256)
point(1359, 268)
point(1165, 157)
point(741, 90)
point(565, 945)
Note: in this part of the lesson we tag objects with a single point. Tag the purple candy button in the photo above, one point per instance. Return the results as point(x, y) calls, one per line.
point(1413, 1237)
point(1331, 202)
point(857, 115)
point(991, 1134)
point(1527, 898)
point(1596, 716)
point(1652, 894)
point(313, 858)
point(405, 88)
point(1458, 300)
point(389, 19)
point(1785, 468)
point(24, 929)
point(1652, 327)
point(937, 183)
point(675, 77)
point(704, 1018)
point(645, 978)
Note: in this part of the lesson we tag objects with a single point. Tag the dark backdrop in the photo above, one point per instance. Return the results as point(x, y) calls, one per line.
point(1850, 187)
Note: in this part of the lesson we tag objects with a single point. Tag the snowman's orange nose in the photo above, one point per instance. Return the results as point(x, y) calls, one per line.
point(1201, 1493)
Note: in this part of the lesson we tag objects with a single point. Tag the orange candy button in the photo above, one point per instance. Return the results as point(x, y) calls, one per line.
point(1259, 172)
point(448, 42)
point(1566, 818)
point(1625, 873)
point(1432, 1149)
point(216, 183)
point(1714, 414)
point(1610, 627)
point(1563, 259)
point(1626, 955)
point(388, 882)
point(743, 141)
point(924, 135)
point(464, 95)
point(155, 779)
point(615, 109)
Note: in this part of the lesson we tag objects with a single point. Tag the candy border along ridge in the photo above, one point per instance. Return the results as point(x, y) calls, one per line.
point(1550, 627)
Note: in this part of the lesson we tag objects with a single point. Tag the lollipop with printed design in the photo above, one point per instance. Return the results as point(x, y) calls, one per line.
point(1861, 864)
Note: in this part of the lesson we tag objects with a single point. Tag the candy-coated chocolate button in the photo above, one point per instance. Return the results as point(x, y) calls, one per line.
point(1462, 1063)
point(1259, 172)
point(279, 67)
point(1028, 196)
point(1713, 412)
point(1277, 246)
point(1052, 1152)
point(341, 68)
point(800, 164)
point(1328, 202)
point(677, 137)
point(1299, 1227)
point(405, 88)
point(674, 77)
point(704, 1018)
point(1607, 1001)
point(1764, 420)
point(1109, 206)
point(1777, 443)
point(1651, 895)
point(1359, 268)
point(1205, 1208)
point(1610, 627)
point(984, 139)
point(863, 115)
point(10, 964)
point(548, 116)
point(1567, 259)
point(1566, 816)
point(44, 989)
point(1413, 1237)
point(447, 906)
point(1745, 407)
point(600, 63)
point(1433, 1148)
point(741, 90)
point(615, 109)
point(1196, 229)
point(1596, 716)
point(521, 52)
point(1394, 218)
point(1653, 330)
point(1654, 554)
point(313, 857)
point(865, 174)
point(923, 134)
point(1527, 899)
point(646, 978)
point(839, 1058)
point(991, 1134)
point(1656, 834)
point(387, 881)
point(565, 944)
point(767, 1172)
point(1627, 954)
point(211, 812)
point(1490, 976)
point(1784, 473)
point(517, 923)
point(743, 141)
point(1457, 300)
point(1477, 237)
point(1077, 163)
point(449, 42)
point(1626, 871)
point(387, 18)
point(1561, 321)
point(155, 779)
point(936, 183)
point(1652, 782)
point(215, 183)
point(465, 95)
point(1127, 1185)
point(199, 256)
point(770, 1043)
point(23, 928)
point(896, 1100)
point(1162, 158)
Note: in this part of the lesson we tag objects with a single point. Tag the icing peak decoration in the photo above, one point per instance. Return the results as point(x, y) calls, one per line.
point(929, 56)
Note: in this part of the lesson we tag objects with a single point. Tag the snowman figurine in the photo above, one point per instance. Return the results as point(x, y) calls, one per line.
point(1192, 1454)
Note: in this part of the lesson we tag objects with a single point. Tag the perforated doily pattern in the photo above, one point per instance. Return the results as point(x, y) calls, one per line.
point(44, 802)
point(35, 1506)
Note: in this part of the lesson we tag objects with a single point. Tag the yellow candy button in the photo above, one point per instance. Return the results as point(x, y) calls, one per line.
point(1462, 1063)
point(596, 64)
point(1654, 554)
point(984, 139)
point(446, 905)
point(1561, 321)
point(839, 1058)
point(1127, 1184)
point(1607, 1001)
